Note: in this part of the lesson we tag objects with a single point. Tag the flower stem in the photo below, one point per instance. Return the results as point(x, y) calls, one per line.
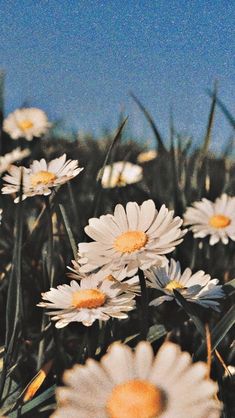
point(144, 306)
point(50, 242)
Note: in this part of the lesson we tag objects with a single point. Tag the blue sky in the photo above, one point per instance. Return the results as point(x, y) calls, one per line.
point(78, 60)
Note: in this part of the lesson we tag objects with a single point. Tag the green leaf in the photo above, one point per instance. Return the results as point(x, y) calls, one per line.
point(68, 230)
point(229, 287)
point(161, 146)
point(39, 400)
point(156, 332)
point(97, 195)
point(191, 312)
point(224, 109)
point(220, 330)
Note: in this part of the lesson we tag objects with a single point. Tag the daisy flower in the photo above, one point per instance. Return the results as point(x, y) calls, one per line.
point(198, 287)
point(129, 285)
point(26, 123)
point(120, 174)
point(127, 384)
point(137, 237)
point(16, 155)
point(216, 219)
point(40, 177)
point(147, 156)
point(87, 301)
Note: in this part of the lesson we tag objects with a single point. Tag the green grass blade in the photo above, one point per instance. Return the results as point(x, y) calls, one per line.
point(39, 400)
point(114, 142)
point(68, 230)
point(156, 332)
point(224, 109)
point(189, 309)
point(220, 330)
point(161, 146)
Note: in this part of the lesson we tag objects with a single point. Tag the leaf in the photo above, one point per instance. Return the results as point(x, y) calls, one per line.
point(205, 147)
point(97, 194)
point(113, 143)
point(229, 287)
point(37, 381)
point(189, 309)
point(39, 400)
point(224, 109)
point(220, 330)
point(161, 147)
point(207, 139)
point(68, 230)
point(156, 332)
point(14, 306)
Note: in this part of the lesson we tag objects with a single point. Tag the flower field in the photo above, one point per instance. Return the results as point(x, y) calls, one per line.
point(117, 273)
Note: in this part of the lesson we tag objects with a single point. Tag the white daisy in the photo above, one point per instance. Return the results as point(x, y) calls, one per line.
point(215, 219)
point(120, 174)
point(147, 156)
point(128, 384)
point(137, 237)
point(40, 177)
point(198, 287)
point(129, 285)
point(87, 301)
point(16, 155)
point(26, 123)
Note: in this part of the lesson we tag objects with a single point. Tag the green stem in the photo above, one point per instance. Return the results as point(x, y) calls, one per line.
point(88, 342)
point(50, 243)
point(144, 306)
point(42, 343)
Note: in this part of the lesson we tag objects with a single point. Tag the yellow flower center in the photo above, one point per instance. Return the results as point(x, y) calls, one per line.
point(26, 124)
point(88, 298)
point(42, 177)
point(173, 284)
point(121, 181)
point(130, 241)
point(219, 221)
point(110, 278)
point(135, 399)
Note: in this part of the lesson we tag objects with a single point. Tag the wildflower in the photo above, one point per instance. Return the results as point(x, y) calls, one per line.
point(26, 123)
point(120, 174)
point(40, 177)
point(126, 384)
point(215, 219)
point(16, 155)
point(137, 237)
point(87, 301)
point(147, 156)
point(131, 285)
point(198, 287)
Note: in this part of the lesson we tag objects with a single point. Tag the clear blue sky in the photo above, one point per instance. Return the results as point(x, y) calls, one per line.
point(78, 60)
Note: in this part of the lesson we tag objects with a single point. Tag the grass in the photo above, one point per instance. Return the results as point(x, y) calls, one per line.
point(38, 240)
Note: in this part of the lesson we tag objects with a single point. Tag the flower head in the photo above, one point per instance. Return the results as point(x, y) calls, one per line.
point(40, 177)
point(128, 384)
point(147, 156)
point(16, 155)
point(26, 123)
point(120, 174)
point(129, 285)
point(137, 237)
point(198, 287)
point(215, 219)
point(87, 301)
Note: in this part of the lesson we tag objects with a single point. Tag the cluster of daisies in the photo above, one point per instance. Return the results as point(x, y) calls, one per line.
point(105, 275)
point(135, 240)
